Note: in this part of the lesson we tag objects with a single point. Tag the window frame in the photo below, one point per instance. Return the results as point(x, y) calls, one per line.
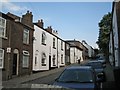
point(2, 62)
point(24, 39)
point(62, 59)
point(43, 59)
point(43, 41)
point(53, 59)
point(54, 43)
point(3, 27)
point(61, 45)
point(25, 55)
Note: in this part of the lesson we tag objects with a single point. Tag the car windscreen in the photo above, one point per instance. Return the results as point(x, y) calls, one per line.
point(76, 76)
point(95, 65)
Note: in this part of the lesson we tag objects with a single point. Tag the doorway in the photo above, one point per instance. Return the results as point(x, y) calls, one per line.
point(15, 62)
point(49, 62)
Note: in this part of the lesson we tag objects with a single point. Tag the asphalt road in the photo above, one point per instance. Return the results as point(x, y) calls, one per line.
point(45, 80)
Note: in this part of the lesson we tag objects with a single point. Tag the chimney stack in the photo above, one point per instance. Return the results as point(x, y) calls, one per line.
point(49, 29)
point(27, 19)
point(40, 23)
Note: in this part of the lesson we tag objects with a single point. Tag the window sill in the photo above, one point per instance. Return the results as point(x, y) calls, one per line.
point(26, 44)
point(54, 47)
point(25, 67)
point(43, 44)
point(4, 37)
point(43, 64)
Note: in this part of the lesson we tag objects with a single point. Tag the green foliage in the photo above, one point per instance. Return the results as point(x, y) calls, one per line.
point(104, 30)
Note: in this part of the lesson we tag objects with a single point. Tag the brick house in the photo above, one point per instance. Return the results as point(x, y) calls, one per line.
point(16, 50)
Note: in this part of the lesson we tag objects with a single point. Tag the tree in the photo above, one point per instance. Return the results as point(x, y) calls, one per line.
point(104, 31)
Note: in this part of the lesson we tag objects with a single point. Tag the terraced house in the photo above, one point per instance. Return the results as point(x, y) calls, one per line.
point(48, 48)
point(16, 50)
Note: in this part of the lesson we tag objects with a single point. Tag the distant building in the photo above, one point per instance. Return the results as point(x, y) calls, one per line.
point(76, 51)
point(16, 50)
point(91, 52)
point(114, 44)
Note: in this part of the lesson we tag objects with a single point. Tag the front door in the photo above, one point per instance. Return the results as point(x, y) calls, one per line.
point(49, 62)
point(14, 72)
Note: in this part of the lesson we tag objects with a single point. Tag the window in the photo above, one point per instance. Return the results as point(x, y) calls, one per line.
point(53, 60)
point(26, 36)
point(61, 45)
point(43, 38)
point(61, 58)
point(25, 59)
point(2, 27)
point(35, 60)
point(43, 59)
point(1, 58)
point(53, 42)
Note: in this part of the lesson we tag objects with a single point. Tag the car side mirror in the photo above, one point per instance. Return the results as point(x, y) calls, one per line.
point(100, 77)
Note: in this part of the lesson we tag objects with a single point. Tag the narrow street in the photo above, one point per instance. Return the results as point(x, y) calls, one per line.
point(45, 80)
point(50, 78)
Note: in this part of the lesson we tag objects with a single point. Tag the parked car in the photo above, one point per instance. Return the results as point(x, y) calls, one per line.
point(99, 68)
point(102, 60)
point(79, 77)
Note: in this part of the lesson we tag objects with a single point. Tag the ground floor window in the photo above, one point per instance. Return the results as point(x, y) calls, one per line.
point(62, 59)
point(43, 59)
point(53, 60)
point(1, 57)
point(25, 59)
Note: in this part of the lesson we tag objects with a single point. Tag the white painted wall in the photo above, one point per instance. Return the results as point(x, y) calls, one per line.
point(61, 52)
point(48, 49)
point(111, 50)
point(115, 33)
point(75, 54)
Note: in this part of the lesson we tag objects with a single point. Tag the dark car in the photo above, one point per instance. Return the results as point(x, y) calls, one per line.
point(78, 77)
point(98, 67)
point(102, 60)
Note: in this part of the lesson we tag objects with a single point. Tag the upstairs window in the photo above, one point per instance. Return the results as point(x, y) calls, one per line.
point(1, 58)
point(43, 59)
point(2, 27)
point(61, 45)
point(26, 36)
point(43, 38)
point(53, 42)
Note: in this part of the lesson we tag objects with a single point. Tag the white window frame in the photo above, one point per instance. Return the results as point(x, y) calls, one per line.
point(53, 42)
point(3, 27)
point(43, 59)
point(26, 41)
point(43, 38)
point(62, 59)
point(54, 57)
point(2, 58)
point(61, 45)
point(25, 56)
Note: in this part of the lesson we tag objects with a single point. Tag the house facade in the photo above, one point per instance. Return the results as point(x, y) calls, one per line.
point(76, 51)
point(48, 48)
point(90, 49)
point(115, 35)
point(16, 52)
